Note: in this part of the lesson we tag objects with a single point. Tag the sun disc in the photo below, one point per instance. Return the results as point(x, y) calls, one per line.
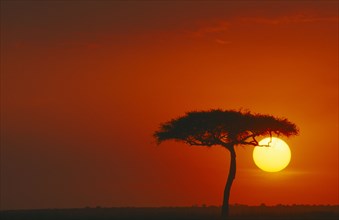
point(272, 158)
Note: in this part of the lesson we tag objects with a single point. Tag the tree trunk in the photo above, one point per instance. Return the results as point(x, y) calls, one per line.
point(231, 176)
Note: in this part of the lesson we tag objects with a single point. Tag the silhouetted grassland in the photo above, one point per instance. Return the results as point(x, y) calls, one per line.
point(238, 212)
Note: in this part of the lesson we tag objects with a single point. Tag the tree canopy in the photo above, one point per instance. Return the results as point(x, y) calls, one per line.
point(223, 127)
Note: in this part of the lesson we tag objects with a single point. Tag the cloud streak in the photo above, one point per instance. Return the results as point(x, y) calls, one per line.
point(225, 25)
point(292, 19)
point(220, 26)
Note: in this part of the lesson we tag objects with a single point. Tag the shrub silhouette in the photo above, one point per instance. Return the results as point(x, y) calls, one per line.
point(226, 128)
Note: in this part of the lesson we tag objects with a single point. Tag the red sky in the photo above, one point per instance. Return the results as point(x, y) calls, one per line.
point(85, 84)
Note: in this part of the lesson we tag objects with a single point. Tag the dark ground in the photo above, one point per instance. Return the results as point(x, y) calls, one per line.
point(238, 212)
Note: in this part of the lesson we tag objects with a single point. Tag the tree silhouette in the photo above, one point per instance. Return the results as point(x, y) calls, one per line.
point(224, 128)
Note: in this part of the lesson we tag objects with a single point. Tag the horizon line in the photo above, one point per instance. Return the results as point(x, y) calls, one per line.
point(169, 207)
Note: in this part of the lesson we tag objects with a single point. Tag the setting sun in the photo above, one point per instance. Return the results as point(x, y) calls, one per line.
point(273, 158)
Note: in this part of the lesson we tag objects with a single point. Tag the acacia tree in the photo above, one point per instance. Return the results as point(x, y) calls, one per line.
point(224, 128)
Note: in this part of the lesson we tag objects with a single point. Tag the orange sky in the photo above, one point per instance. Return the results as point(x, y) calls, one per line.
point(85, 84)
